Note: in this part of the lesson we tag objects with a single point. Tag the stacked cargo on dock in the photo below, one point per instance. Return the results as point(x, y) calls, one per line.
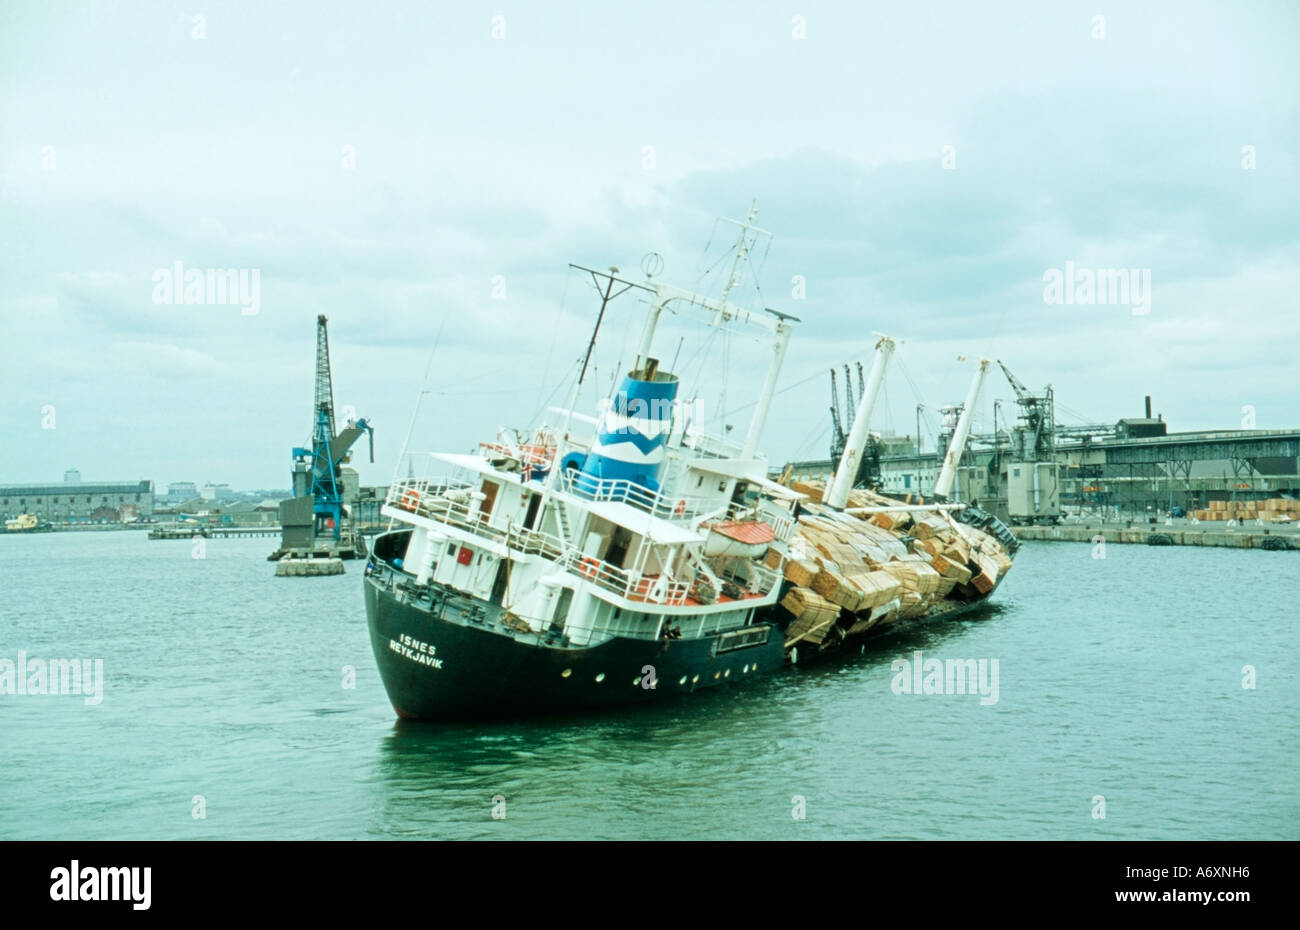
point(1273, 510)
point(854, 571)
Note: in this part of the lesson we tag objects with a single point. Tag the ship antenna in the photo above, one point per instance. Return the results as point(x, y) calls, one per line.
point(742, 252)
point(604, 302)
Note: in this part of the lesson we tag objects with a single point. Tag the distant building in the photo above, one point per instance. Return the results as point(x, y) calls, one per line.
point(179, 491)
point(101, 501)
point(72, 476)
point(1141, 428)
point(216, 492)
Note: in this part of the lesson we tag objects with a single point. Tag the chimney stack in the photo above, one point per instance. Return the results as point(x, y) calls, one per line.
point(1148, 406)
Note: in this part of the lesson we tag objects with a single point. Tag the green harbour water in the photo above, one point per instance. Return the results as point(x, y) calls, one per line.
point(225, 688)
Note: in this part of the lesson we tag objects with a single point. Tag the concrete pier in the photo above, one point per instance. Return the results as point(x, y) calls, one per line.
point(1179, 533)
point(306, 568)
point(189, 531)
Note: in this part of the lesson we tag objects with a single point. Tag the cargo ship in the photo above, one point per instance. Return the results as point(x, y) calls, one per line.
point(631, 556)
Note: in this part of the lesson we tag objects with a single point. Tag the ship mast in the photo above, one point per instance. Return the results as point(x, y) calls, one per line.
point(742, 252)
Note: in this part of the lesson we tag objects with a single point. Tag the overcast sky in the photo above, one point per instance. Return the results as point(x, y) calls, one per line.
point(389, 164)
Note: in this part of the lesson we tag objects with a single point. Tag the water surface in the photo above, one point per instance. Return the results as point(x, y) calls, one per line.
point(1119, 677)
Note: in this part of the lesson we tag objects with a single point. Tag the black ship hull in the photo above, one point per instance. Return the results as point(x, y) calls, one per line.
point(442, 655)
point(445, 656)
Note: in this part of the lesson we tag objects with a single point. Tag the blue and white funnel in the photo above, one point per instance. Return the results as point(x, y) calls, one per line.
point(632, 434)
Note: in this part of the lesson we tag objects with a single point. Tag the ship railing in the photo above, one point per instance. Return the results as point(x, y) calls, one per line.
point(430, 499)
point(713, 446)
point(634, 586)
point(533, 455)
point(656, 503)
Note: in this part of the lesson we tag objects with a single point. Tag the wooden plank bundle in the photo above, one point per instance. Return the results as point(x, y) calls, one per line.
point(988, 573)
point(950, 569)
point(838, 590)
point(931, 526)
point(804, 602)
point(802, 571)
point(917, 577)
point(814, 616)
point(877, 588)
point(814, 490)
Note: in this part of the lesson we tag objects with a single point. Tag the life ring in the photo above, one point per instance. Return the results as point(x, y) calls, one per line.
point(681, 508)
point(589, 567)
point(411, 500)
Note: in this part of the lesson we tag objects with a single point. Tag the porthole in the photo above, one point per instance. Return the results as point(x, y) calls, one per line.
point(695, 679)
point(727, 673)
point(566, 673)
point(717, 675)
point(636, 682)
point(600, 678)
point(746, 669)
point(683, 681)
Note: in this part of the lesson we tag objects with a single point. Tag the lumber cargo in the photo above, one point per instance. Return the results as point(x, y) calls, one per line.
point(801, 571)
point(877, 587)
point(804, 602)
point(950, 569)
point(836, 589)
point(853, 572)
point(917, 577)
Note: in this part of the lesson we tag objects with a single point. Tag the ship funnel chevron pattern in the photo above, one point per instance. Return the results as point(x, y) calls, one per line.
point(633, 430)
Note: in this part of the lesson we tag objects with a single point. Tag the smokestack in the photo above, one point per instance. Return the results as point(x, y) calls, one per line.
point(1148, 406)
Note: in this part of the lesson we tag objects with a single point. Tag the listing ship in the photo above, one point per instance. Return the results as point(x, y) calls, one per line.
point(632, 556)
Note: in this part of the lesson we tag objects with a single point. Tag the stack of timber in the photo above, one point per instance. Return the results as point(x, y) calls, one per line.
point(1272, 510)
point(852, 572)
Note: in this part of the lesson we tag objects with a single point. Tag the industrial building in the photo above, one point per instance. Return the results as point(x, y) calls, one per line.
point(1034, 470)
point(80, 501)
point(179, 491)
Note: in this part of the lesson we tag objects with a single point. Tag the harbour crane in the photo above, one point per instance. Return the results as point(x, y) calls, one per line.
point(316, 471)
point(312, 520)
point(1035, 440)
point(1032, 479)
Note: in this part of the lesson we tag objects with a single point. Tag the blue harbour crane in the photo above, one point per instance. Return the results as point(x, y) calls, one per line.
point(313, 519)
